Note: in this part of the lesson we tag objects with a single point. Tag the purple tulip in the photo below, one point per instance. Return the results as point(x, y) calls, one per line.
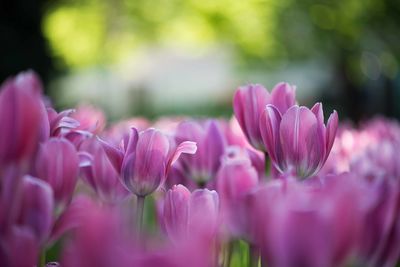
point(57, 163)
point(235, 179)
point(211, 143)
point(249, 103)
point(100, 174)
point(176, 212)
point(101, 239)
point(23, 118)
point(12, 243)
point(302, 225)
point(61, 123)
point(145, 159)
point(184, 213)
point(36, 207)
point(90, 119)
point(298, 141)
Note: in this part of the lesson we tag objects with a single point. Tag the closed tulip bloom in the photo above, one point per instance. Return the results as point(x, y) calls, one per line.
point(298, 141)
point(186, 214)
point(23, 117)
point(249, 103)
point(304, 225)
point(57, 163)
point(145, 159)
point(236, 178)
point(36, 207)
point(176, 212)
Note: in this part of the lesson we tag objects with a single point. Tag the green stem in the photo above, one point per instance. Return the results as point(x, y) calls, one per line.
point(139, 213)
point(42, 258)
point(229, 251)
point(267, 164)
point(253, 256)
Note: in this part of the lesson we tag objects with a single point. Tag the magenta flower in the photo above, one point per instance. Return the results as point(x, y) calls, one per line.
point(184, 213)
point(176, 212)
point(303, 225)
point(100, 174)
point(236, 178)
point(298, 141)
point(23, 118)
point(36, 207)
point(249, 103)
point(145, 159)
point(100, 239)
point(211, 143)
point(90, 119)
point(57, 163)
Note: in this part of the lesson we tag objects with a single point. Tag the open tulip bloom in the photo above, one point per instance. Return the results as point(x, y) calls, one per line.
point(298, 141)
point(66, 181)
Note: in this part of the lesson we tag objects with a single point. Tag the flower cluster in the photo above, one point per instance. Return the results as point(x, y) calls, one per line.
point(274, 186)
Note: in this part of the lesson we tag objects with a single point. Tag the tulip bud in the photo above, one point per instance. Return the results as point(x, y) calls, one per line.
point(23, 117)
point(235, 179)
point(36, 207)
point(57, 163)
point(176, 212)
point(204, 201)
point(184, 213)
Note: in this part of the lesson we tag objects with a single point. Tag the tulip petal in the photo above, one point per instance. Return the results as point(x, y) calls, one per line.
point(283, 96)
point(269, 126)
point(186, 147)
point(331, 126)
point(299, 138)
point(114, 155)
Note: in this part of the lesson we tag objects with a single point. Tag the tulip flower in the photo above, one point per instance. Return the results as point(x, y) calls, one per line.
point(100, 174)
point(176, 212)
point(90, 119)
point(298, 141)
point(236, 178)
point(57, 163)
point(145, 159)
point(23, 118)
point(249, 103)
point(184, 213)
point(36, 207)
point(210, 141)
point(100, 239)
point(296, 224)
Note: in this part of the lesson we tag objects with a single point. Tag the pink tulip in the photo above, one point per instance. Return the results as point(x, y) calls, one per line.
point(57, 163)
point(297, 224)
point(90, 119)
point(249, 103)
point(176, 212)
point(61, 123)
point(210, 141)
point(100, 174)
point(236, 178)
point(298, 141)
point(101, 239)
point(23, 118)
point(183, 213)
point(145, 159)
point(36, 207)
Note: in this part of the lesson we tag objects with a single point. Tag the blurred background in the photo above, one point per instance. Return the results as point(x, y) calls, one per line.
point(168, 57)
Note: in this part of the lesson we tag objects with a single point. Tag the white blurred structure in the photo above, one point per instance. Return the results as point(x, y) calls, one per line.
point(166, 79)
